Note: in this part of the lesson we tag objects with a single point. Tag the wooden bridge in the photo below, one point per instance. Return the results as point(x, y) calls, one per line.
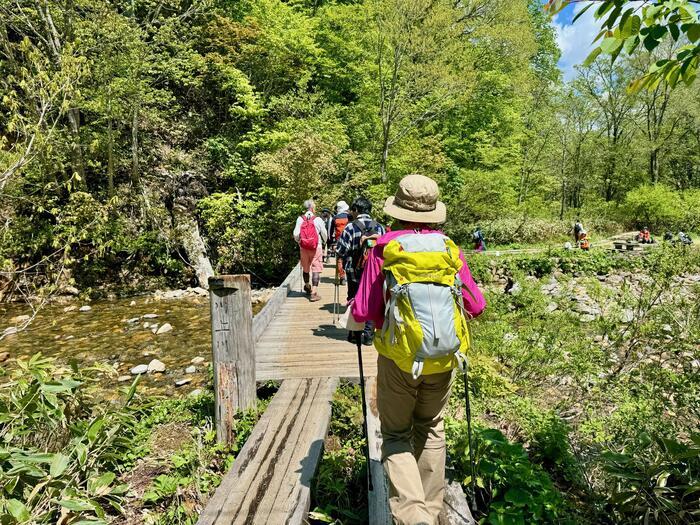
point(296, 341)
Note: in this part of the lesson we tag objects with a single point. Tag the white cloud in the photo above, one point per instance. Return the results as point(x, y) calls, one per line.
point(575, 40)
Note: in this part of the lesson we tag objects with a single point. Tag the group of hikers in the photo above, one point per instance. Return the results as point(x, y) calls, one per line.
point(410, 292)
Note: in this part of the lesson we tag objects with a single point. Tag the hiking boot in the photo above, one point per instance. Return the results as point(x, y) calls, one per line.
point(342, 281)
point(307, 289)
point(314, 297)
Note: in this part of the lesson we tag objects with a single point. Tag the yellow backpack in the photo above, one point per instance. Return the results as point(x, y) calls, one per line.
point(425, 328)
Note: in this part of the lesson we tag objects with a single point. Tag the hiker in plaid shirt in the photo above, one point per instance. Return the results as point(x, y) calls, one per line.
point(351, 249)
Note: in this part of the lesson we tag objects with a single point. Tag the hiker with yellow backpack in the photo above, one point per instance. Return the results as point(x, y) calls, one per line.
point(417, 288)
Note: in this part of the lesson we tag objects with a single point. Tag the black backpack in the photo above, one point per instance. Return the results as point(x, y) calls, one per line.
point(359, 257)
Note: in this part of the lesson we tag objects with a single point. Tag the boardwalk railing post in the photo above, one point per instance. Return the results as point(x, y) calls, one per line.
point(233, 350)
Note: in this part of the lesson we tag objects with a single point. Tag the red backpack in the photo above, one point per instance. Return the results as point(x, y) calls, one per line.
point(308, 236)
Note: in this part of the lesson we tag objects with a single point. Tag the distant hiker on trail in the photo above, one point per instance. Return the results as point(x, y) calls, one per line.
point(327, 220)
point(354, 247)
point(583, 242)
point(668, 237)
point(414, 380)
point(684, 239)
point(578, 230)
point(310, 234)
point(340, 221)
point(479, 240)
point(644, 236)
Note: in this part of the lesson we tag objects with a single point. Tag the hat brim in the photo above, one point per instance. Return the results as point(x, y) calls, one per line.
point(436, 216)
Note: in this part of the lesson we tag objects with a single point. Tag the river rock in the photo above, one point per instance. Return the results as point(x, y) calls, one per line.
point(198, 290)
point(70, 308)
point(587, 318)
point(20, 319)
point(133, 320)
point(173, 294)
point(121, 379)
point(146, 325)
point(10, 330)
point(139, 369)
point(195, 392)
point(156, 366)
point(154, 327)
point(183, 381)
point(69, 290)
point(627, 315)
point(197, 360)
point(551, 307)
point(190, 369)
point(4, 356)
point(132, 303)
point(149, 316)
point(85, 308)
point(167, 327)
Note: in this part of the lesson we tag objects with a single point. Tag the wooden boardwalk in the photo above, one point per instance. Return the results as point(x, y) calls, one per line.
point(302, 341)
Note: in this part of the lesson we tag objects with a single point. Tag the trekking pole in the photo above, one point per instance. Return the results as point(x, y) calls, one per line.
point(358, 341)
point(336, 298)
point(469, 435)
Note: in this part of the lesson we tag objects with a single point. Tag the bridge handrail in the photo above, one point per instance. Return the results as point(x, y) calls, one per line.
point(263, 317)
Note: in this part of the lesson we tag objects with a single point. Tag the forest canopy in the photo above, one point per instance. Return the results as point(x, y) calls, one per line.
point(136, 134)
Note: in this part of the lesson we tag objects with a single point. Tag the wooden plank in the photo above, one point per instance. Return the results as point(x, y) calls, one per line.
point(233, 351)
point(275, 303)
point(379, 513)
point(270, 480)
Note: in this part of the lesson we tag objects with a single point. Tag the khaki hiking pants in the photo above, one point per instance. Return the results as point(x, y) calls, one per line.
point(413, 432)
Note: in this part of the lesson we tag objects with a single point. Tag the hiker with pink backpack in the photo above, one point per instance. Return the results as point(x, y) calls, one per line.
point(310, 233)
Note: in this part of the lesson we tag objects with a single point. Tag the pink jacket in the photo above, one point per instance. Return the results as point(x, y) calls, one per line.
point(368, 304)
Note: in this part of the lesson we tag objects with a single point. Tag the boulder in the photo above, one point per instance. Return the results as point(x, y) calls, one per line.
point(139, 369)
point(183, 381)
point(195, 392)
point(190, 369)
point(197, 360)
point(551, 307)
point(167, 327)
point(156, 367)
point(69, 290)
point(121, 379)
point(198, 290)
point(85, 308)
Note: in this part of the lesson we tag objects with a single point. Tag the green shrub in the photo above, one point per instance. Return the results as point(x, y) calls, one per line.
point(657, 207)
point(511, 489)
point(657, 482)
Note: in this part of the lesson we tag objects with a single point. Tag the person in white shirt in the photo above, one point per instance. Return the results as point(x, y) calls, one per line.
point(311, 241)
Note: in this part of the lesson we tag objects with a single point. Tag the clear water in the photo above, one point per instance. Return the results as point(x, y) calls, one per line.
point(103, 335)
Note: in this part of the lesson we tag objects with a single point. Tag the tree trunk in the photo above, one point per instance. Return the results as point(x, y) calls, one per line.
point(188, 230)
point(385, 155)
point(135, 145)
point(654, 165)
point(76, 149)
point(110, 158)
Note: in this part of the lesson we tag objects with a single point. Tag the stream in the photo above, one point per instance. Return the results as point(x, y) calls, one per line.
point(120, 333)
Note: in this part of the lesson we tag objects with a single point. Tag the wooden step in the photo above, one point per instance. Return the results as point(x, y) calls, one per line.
point(270, 480)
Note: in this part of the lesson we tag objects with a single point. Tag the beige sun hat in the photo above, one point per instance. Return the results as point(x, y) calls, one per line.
point(416, 200)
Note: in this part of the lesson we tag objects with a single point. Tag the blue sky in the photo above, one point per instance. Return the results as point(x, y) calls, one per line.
point(574, 40)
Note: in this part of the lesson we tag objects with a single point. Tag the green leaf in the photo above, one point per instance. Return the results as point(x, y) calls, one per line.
point(650, 42)
point(76, 505)
point(610, 45)
point(17, 510)
point(675, 31)
point(518, 496)
point(631, 27)
point(631, 44)
point(100, 486)
point(58, 465)
point(95, 428)
point(693, 32)
point(591, 57)
point(580, 13)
